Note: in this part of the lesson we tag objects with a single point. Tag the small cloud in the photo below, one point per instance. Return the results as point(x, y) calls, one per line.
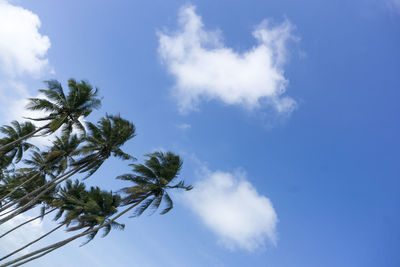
point(393, 5)
point(184, 126)
point(232, 208)
point(205, 69)
point(22, 48)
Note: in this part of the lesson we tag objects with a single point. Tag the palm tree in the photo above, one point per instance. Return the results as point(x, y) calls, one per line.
point(71, 200)
point(63, 111)
point(13, 133)
point(104, 140)
point(85, 209)
point(151, 183)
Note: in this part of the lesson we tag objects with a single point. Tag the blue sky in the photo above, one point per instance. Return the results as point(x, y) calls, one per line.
point(285, 113)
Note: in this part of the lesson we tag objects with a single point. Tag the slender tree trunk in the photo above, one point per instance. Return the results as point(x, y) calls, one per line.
point(7, 146)
point(28, 221)
point(33, 258)
point(8, 212)
point(68, 240)
point(18, 186)
point(30, 243)
point(49, 186)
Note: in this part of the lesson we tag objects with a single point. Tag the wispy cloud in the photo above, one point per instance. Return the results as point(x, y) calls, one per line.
point(231, 207)
point(22, 48)
point(393, 5)
point(184, 126)
point(204, 68)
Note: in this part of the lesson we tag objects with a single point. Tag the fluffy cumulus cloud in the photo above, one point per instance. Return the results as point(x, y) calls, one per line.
point(23, 51)
point(204, 68)
point(232, 208)
point(22, 47)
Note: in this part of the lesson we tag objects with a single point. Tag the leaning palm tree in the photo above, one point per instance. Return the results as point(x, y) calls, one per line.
point(151, 181)
point(62, 111)
point(13, 133)
point(103, 140)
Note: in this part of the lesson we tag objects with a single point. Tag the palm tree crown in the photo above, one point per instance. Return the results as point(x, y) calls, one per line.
point(152, 180)
point(65, 110)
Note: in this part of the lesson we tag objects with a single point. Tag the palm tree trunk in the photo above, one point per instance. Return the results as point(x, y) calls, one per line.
point(49, 186)
point(68, 240)
point(7, 146)
point(33, 258)
point(30, 243)
point(28, 221)
point(8, 212)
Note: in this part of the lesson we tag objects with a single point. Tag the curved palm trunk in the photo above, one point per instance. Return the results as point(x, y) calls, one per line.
point(28, 221)
point(7, 146)
point(30, 243)
point(68, 240)
point(44, 190)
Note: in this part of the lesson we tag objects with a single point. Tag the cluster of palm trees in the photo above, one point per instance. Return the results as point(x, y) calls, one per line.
point(38, 181)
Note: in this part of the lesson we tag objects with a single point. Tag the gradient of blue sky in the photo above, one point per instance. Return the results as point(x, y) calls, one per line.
point(330, 168)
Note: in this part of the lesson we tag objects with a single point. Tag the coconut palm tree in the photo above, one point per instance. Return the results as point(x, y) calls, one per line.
point(62, 111)
point(104, 140)
point(151, 181)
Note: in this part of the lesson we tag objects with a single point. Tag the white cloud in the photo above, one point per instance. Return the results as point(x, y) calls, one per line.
point(233, 209)
point(22, 47)
point(21, 236)
point(22, 51)
point(204, 68)
point(184, 126)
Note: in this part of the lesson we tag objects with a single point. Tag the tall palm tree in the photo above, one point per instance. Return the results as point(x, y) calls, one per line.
point(151, 181)
point(63, 111)
point(104, 140)
point(13, 133)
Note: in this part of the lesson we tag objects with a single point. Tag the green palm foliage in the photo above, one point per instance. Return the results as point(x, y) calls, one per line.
point(99, 207)
point(13, 133)
point(152, 181)
point(63, 111)
point(105, 139)
point(63, 151)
